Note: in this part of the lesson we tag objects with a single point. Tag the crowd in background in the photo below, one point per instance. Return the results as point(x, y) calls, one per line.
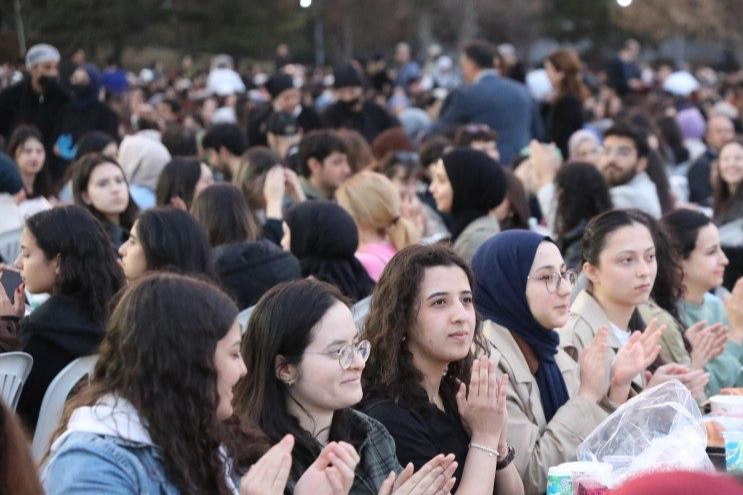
point(535, 245)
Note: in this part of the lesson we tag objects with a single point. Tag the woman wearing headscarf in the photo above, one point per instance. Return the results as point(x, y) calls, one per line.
point(324, 238)
point(469, 185)
point(523, 293)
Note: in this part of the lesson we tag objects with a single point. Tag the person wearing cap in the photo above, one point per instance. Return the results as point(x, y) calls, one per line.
point(37, 99)
point(283, 132)
point(285, 98)
point(351, 110)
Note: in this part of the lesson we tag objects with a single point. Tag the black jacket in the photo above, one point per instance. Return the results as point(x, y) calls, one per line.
point(371, 121)
point(55, 334)
point(247, 270)
point(20, 104)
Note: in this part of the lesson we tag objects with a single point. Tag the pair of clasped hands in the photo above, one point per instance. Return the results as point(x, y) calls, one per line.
point(482, 407)
point(601, 377)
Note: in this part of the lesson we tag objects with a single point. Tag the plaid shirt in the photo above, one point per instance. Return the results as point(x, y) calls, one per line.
point(378, 458)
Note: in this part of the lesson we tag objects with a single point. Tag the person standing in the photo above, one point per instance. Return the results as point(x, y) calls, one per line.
point(37, 99)
point(502, 104)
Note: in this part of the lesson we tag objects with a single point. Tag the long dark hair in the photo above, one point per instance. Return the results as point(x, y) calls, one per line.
point(394, 308)
point(594, 239)
point(178, 178)
point(158, 353)
point(173, 241)
point(582, 193)
point(223, 212)
point(261, 398)
point(684, 225)
point(668, 288)
point(567, 61)
point(18, 475)
point(83, 170)
point(88, 270)
point(43, 181)
point(728, 205)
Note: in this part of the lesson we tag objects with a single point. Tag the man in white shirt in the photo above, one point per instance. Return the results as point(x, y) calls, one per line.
point(223, 79)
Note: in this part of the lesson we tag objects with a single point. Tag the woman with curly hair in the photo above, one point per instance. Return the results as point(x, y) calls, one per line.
point(426, 335)
point(304, 376)
point(66, 253)
point(153, 419)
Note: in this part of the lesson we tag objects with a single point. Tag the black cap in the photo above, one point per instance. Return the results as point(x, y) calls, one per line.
point(282, 124)
point(278, 84)
point(347, 76)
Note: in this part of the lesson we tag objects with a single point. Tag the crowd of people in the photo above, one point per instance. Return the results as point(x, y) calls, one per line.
point(534, 248)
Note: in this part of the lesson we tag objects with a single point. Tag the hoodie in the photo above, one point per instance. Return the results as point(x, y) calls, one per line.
point(248, 269)
point(115, 417)
point(55, 334)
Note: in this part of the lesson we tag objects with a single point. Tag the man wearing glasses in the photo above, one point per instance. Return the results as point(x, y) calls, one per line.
point(622, 161)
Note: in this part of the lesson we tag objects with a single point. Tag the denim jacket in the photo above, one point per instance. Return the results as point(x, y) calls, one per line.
point(106, 449)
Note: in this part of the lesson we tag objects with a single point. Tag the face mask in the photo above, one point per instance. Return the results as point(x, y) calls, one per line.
point(80, 90)
point(349, 105)
point(47, 82)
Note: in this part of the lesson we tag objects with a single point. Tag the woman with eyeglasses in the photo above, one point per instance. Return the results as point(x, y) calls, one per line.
point(619, 261)
point(523, 293)
point(428, 381)
point(304, 362)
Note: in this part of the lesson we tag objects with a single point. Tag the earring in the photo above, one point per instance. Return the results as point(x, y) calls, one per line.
point(403, 338)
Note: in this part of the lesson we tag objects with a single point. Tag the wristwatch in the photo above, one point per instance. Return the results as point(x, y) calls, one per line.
point(507, 460)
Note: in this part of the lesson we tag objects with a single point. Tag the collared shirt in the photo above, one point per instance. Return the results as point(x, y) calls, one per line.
point(311, 191)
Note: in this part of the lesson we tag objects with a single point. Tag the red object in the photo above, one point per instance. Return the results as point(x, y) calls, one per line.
point(681, 483)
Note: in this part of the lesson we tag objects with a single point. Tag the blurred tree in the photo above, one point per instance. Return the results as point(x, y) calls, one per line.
point(706, 19)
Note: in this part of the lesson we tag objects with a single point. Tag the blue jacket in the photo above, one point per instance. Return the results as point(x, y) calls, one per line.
point(107, 449)
point(504, 105)
point(91, 464)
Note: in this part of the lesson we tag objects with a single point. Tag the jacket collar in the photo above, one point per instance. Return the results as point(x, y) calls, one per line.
point(589, 309)
point(502, 340)
point(485, 73)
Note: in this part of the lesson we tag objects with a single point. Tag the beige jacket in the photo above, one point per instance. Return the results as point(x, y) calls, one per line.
point(586, 316)
point(540, 445)
point(672, 347)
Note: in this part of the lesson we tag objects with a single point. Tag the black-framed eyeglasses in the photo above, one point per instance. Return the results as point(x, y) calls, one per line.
point(346, 353)
point(553, 280)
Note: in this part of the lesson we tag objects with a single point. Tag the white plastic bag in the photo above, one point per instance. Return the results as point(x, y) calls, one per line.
point(659, 430)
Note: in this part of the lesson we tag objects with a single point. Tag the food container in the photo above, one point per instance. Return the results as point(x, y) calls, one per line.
point(733, 454)
point(560, 478)
point(727, 405)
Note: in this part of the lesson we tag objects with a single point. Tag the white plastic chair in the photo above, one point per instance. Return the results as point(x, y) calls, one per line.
point(54, 399)
point(14, 369)
point(243, 317)
point(360, 310)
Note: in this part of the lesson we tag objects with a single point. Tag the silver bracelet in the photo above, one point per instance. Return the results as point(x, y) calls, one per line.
point(491, 452)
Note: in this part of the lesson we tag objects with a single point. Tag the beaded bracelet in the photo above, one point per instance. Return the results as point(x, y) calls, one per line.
point(485, 448)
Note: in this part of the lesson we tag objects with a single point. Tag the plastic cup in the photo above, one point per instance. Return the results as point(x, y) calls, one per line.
point(560, 478)
point(733, 454)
